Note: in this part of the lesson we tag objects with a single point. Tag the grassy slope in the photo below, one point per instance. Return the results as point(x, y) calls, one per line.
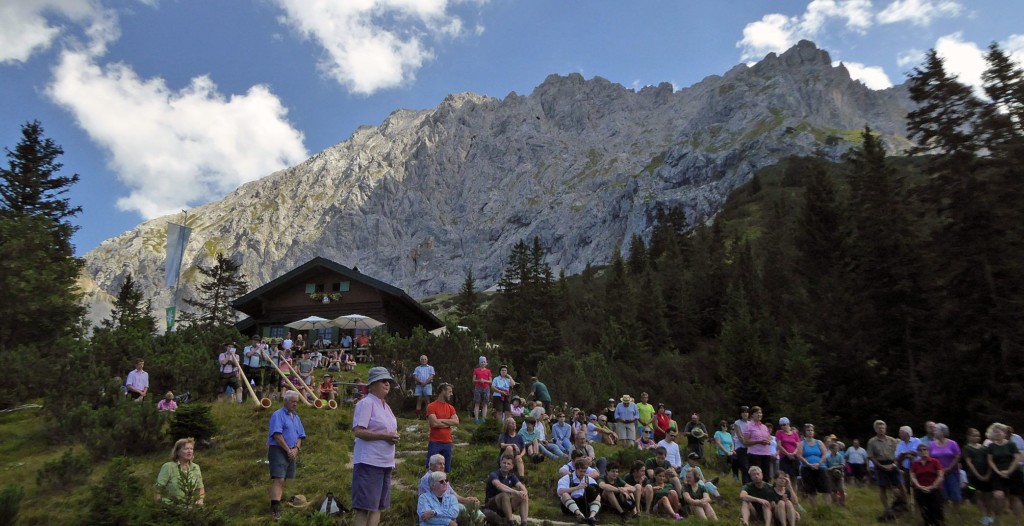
point(236, 477)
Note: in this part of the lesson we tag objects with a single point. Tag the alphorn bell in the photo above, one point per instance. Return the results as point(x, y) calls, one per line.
point(262, 403)
point(285, 378)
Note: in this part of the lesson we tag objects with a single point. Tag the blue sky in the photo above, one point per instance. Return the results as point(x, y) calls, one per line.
point(162, 105)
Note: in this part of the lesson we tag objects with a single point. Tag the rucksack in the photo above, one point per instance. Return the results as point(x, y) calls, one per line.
point(331, 506)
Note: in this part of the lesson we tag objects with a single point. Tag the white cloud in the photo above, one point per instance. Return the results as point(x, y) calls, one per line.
point(918, 12)
point(873, 77)
point(777, 32)
point(1014, 45)
point(25, 28)
point(175, 149)
point(910, 57)
point(373, 44)
point(964, 59)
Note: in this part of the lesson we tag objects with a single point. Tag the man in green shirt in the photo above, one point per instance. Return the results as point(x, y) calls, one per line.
point(540, 393)
point(759, 499)
point(616, 495)
point(646, 413)
point(660, 460)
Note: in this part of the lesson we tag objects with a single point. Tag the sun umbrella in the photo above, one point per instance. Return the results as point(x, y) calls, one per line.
point(355, 321)
point(310, 323)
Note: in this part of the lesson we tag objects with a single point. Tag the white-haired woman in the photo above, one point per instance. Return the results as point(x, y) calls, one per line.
point(181, 480)
point(437, 507)
point(947, 452)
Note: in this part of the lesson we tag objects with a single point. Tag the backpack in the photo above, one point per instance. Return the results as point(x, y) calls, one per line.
point(331, 506)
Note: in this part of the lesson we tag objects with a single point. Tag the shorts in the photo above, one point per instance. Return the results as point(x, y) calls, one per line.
point(445, 449)
point(1014, 485)
point(625, 431)
point(814, 480)
point(499, 403)
point(371, 487)
point(887, 479)
point(281, 467)
point(231, 379)
point(424, 390)
point(480, 394)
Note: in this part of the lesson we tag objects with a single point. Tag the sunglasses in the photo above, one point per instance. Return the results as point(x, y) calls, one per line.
point(442, 481)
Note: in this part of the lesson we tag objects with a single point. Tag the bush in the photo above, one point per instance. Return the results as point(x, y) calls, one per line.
point(126, 428)
point(67, 471)
point(193, 420)
point(118, 499)
point(10, 504)
point(486, 433)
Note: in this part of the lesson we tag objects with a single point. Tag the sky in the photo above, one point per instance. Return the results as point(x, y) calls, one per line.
point(164, 105)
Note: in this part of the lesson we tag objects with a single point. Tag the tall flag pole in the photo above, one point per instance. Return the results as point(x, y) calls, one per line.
point(177, 240)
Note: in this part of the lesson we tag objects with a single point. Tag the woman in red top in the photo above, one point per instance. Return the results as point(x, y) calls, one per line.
point(661, 422)
point(481, 390)
point(926, 475)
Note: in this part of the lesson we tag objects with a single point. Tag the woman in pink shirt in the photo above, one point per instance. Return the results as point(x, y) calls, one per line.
point(481, 390)
point(758, 441)
point(788, 439)
point(373, 457)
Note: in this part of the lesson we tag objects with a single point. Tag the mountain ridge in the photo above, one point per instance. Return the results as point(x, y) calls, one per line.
point(429, 195)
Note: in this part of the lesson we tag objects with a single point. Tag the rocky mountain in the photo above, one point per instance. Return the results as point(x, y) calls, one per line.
point(429, 195)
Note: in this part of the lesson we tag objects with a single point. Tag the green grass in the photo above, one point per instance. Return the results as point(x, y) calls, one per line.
point(236, 477)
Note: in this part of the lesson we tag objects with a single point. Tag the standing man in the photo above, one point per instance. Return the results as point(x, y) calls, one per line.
point(287, 343)
point(252, 362)
point(284, 442)
point(229, 372)
point(424, 375)
point(137, 381)
point(646, 411)
point(441, 418)
point(540, 393)
point(481, 390)
point(626, 417)
point(882, 452)
point(696, 433)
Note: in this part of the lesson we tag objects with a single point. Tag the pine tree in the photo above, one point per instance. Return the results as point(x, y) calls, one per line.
point(30, 184)
point(223, 285)
point(131, 311)
point(467, 302)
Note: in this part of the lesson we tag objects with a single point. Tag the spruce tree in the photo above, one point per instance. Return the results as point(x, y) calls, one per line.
point(212, 308)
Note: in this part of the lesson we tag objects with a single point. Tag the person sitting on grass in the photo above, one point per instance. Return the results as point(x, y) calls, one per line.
point(583, 445)
point(533, 440)
point(603, 433)
point(788, 502)
point(438, 507)
point(168, 403)
point(616, 494)
point(660, 461)
point(437, 464)
point(693, 464)
point(697, 498)
point(577, 492)
point(511, 444)
point(562, 433)
point(327, 389)
point(759, 500)
point(637, 478)
point(505, 493)
point(569, 467)
point(666, 499)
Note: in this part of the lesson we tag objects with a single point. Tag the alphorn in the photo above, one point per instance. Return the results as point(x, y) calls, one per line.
point(262, 403)
point(318, 402)
point(285, 378)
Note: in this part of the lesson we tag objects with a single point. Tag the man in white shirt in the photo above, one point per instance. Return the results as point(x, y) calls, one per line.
point(672, 450)
point(577, 491)
point(137, 381)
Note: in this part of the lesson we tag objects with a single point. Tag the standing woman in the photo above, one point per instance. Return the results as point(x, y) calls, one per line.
point(758, 441)
point(1004, 459)
point(947, 452)
point(738, 428)
point(788, 439)
point(180, 478)
point(726, 450)
point(501, 388)
point(661, 423)
point(979, 473)
point(926, 476)
point(373, 457)
point(811, 454)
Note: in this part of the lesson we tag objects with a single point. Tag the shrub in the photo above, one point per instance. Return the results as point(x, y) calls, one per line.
point(126, 428)
point(118, 499)
point(193, 420)
point(487, 432)
point(10, 504)
point(67, 471)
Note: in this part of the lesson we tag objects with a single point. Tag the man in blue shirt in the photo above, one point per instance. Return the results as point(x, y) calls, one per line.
point(626, 416)
point(284, 441)
point(424, 375)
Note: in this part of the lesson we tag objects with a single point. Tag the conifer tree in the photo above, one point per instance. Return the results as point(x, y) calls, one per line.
point(224, 284)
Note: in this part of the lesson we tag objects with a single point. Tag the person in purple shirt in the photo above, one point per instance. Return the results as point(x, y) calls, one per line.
point(373, 457)
point(947, 452)
point(284, 442)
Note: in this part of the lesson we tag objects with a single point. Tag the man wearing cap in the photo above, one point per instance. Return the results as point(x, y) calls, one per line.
point(424, 375)
point(284, 442)
point(441, 418)
point(481, 390)
point(626, 417)
point(373, 456)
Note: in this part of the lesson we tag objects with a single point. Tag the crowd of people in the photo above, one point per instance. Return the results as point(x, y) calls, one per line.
point(776, 468)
